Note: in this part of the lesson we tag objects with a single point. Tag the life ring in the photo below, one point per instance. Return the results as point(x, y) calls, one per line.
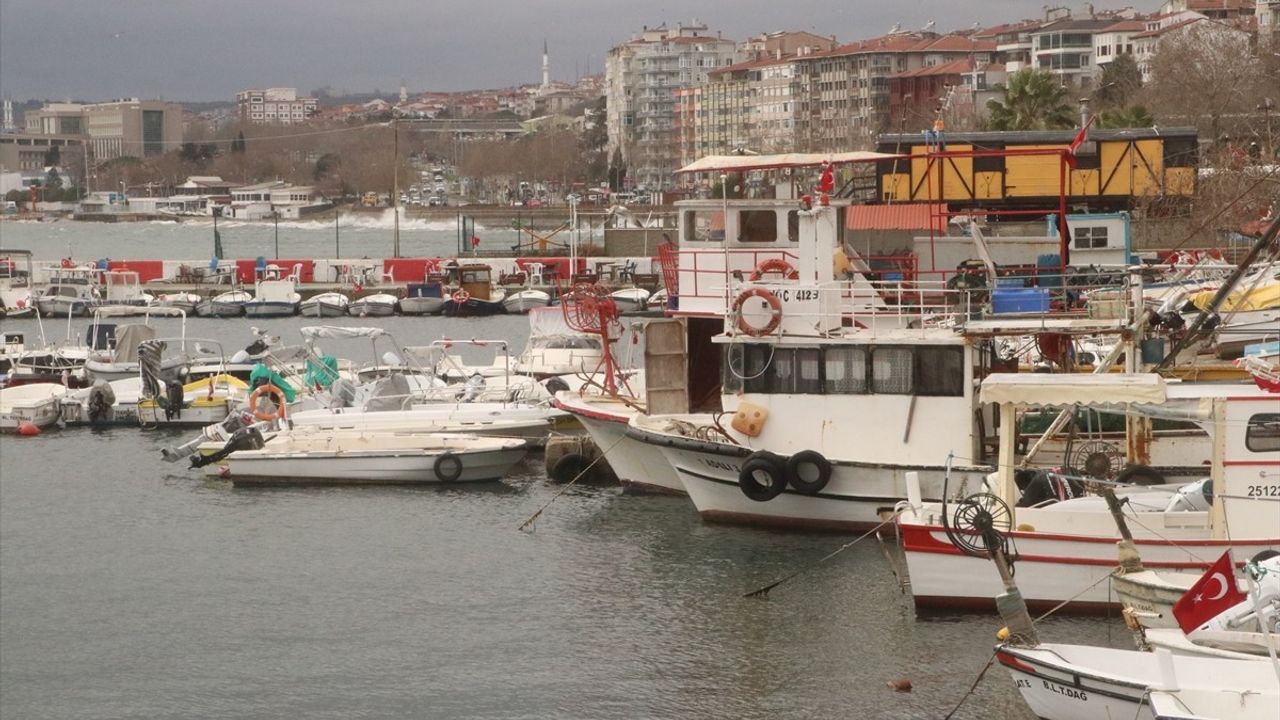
point(763, 476)
point(777, 265)
point(460, 296)
point(775, 311)
point(447, 467)
point(277, 396)
point(808, 472)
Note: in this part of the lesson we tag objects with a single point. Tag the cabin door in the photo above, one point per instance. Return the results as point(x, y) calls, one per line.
point(666, 367)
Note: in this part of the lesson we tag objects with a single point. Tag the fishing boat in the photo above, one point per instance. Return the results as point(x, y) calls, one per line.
point(123, 293)
point(303, 456)
point(273, 298)
point(522, 301)
point(16, 297)
point(1068, 546)
point(630, 300)
point(36, 404)
point(474, 293)
point(329, 304)
point(423, 299)
point(184, 301)
point(227, 304)
point(71, 292)
point(375, 305)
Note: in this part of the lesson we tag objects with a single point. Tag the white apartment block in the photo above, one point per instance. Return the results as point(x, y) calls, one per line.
point(274, 106)
point(1066, 49)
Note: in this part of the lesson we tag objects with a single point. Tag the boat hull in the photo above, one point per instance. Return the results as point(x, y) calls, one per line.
point(324, 309)
point(422, 305)
point(361, 309)
point(472, 308)
point(364, 468)
point(270, 309)
point(62, 307)
point(639, 467)
point(42, 414)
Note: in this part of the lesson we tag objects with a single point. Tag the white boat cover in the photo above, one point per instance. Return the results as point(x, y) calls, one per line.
point(338, 332)
point(719, 163)
point(1041, 389)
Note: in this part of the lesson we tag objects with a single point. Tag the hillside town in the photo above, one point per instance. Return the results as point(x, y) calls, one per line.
point(671, 94)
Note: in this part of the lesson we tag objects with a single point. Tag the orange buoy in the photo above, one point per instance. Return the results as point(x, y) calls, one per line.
point(28, 429)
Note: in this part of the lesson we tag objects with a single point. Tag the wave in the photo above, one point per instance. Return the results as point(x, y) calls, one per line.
point(349, 221)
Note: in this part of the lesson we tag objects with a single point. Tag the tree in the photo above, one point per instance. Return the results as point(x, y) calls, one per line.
point(595, 140)
point(189, 152)
point(1033, 100)
point(237, 145)
point(1134, 116)
point(1120, 82)
point(617, 171)
point(53, 156)
point(1203, 74)
point(52, 179)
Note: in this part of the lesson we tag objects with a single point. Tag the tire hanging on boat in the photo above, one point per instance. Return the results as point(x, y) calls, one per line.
point(763, 476)
point(808, 472)
point(447, 467)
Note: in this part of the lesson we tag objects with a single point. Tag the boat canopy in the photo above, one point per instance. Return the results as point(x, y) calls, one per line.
point(337, 332)
point(1058, 390)
point(738, 163)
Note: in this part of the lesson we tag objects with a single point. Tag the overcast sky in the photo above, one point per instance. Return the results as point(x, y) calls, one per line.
point(210, 49)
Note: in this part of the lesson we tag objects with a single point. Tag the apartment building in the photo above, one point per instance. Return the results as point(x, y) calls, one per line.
point(752, 106)
point(1162, 27)
point(1115, 40)
point(1066, 49)
point(274, 106)
point(1012, 41)
point(1268, 14)
point(955, 92)
point(642, 77)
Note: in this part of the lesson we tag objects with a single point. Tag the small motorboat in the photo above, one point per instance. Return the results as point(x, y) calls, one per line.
point(274, 298)
point(330, 304)
point(37, 404)
point(555, 348)
point(474, 294)
point(522, 301)
point(16, 298)
point(71, 292)
point(123, 293)
point(121, 402)
point(310, 456)
point(423, 299)
point(630, 300)
point(184, 301)
point(227, 304)
point(375, 305)
point(657, 301)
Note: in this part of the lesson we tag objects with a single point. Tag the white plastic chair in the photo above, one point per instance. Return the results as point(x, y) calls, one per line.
point(535, 273)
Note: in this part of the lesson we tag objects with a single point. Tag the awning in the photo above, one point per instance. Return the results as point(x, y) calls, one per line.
point(739, 163)
point(898, 216)
point(1050, 389)
point(340, 332)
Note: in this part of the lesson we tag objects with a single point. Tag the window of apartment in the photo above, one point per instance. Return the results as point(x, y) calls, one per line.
point(1263, 433)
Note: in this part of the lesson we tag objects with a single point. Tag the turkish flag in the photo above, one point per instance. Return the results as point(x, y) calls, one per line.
point(475, 241)
point(1210, 596)
point(1076, 143)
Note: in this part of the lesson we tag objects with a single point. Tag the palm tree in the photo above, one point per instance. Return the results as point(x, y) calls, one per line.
point(1134, 116)
point(1033, 100)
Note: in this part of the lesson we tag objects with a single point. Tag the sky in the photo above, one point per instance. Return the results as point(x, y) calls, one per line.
point(203, 50)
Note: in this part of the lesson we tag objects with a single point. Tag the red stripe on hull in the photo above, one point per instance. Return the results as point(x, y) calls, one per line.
point(769, 521)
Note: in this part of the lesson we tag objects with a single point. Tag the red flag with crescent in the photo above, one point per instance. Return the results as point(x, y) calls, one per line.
point(1212, 594)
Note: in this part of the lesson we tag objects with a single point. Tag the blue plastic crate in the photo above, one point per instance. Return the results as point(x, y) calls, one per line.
point(1019, 300)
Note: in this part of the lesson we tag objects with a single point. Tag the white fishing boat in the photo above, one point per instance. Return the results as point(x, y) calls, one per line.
point(123, 293)
point(423, 299)
point(329, 304)
point(529, 423)
point(522, 301)
point(1211, 704)
point(1080, 682)
point(1067, 548)
point(630, 300)
point(71, 292)
point(17, 300)
point(1149, 595)
point(375, 305)
point(274, 298)
point(304, 456)
point(184, 301)
point(36, 404)
point(227, 304)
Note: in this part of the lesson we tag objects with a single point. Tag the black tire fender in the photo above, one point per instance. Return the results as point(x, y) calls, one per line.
point(570, 466)
point(1140, 475)
point(763, 476)
point(447, 467)
point(808, 472)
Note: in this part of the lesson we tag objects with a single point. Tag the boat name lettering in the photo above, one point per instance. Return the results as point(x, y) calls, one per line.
point(720, 465)
point(1264, 491)
point(1062, 690)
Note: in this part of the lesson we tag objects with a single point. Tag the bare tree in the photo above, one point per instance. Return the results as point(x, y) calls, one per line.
point(1201, 75)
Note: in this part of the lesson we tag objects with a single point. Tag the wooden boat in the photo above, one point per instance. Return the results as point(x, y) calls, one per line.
point(330, 304)
point(522, 301)
point(375, 305)
point(474, 293)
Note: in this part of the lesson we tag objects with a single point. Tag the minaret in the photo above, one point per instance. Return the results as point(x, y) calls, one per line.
point(546, 66)
point(8, 114)
point(404, 93)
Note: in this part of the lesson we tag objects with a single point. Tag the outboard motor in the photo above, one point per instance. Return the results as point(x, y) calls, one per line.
point(101, 399)
point(1196, 496)
point(1045, 487)
point(249, 438)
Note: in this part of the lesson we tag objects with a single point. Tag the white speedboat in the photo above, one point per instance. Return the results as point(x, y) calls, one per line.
point(1080, 682)
point(329, 304)
point(305, 456)
point(16, 297)
point(36, 404)
point(423, 299)
point(657, 301)
point(531, 424)
point(375, 305)
point(1151, 594)
point(630, 300)
point(522, 301)
point(227, 304)
point(555, 348)
point(274, 298)
point(184, 301)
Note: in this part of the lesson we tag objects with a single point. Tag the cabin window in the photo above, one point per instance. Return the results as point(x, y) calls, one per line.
point(757, 226)
point(1086, 238)
point(793, 226)
point(892, 371)
point(940, 371)
point(703, 226)
point(1263, 433)
point(846, 370)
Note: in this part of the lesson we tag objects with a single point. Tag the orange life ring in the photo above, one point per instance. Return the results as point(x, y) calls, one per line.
point(775, 265)
point(775, 310)
point(460, 296)
point(277, 396)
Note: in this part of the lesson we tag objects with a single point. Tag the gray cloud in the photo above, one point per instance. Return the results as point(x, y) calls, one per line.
point(193, 50)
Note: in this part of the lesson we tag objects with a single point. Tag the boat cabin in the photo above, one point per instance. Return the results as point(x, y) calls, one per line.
point(476, 280)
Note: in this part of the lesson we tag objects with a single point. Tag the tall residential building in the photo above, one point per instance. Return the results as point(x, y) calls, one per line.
point(1268, 14)
point(275, 106)
point(120, 128)
point(1013, 43)
point(1066, 49)
point(642, 77)
point(752, 106)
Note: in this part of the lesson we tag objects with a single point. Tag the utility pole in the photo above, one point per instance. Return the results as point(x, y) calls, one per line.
point(395, 183)
point(275, 217)
point(337, 244)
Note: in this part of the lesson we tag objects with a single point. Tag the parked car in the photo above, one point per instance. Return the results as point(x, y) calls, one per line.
point(435, 201)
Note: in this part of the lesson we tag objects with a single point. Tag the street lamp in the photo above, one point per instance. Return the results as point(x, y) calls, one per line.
point(275, 217)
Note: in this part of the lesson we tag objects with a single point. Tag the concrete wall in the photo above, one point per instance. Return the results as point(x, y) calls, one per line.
point(635, 242)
